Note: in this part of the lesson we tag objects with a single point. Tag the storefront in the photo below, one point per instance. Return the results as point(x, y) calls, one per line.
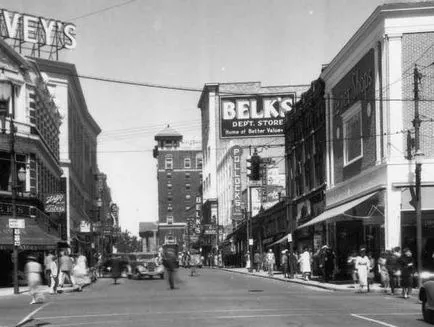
point(35, 238)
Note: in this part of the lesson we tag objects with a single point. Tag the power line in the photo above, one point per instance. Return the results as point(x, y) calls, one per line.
point(96, 12)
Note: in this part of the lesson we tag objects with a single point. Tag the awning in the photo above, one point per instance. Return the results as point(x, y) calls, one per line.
point(336, 211)
point(33, 237)
point(283, 239)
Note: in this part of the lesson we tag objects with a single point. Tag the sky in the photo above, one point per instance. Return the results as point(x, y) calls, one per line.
point(184, 43)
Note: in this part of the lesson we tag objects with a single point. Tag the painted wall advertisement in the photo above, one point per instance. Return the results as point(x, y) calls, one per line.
point(250, 116)
point(236, 152)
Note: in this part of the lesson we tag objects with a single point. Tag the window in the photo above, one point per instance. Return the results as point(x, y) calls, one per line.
point(187, 196)
point(169, 220)
point(168, 164)
point(187, 163)
point(187, 175)
point(198, 162)
point(169, 186)
point(169, 175)
point(187, 186)
point(169, 198)
point(169, 208)
point(187, 208)
point(352, 134)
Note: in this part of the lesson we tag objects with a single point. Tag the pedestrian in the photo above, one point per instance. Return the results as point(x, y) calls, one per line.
point(169, 263)
point(292, 264)
point(394, 269)
point(382, 270)
point(351, 261)
point(371, 272)
point(65, 263)
point(54, 273)
point(80, 272)
point(305, 264)
point(47, 270)
point(329, 264)
point(284, 263)
point(116, 268)
point(362, 266)
point(257, 261)
point(406, 263)
point(33, 270)
point(271, 260)
point(248, 261)
point(220, 259)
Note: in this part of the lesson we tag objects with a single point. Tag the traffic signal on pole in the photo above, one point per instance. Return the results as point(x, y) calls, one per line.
point(255, 166)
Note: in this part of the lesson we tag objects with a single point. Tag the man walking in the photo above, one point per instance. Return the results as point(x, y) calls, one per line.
point(65, 263)
point(284, 263)
point(169, 262)
point(271, 260)
point(47, 268)
point(257, 261)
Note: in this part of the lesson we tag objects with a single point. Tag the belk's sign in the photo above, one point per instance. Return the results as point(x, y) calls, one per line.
point(249, 116)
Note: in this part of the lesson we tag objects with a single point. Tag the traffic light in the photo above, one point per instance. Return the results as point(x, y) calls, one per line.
point(255, 166)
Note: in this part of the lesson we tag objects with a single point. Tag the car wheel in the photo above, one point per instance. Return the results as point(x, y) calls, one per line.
point(130, 276)
point(428, 315)
point(162, 276)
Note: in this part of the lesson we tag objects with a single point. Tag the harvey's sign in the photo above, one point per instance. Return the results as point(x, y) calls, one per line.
point(257, 115)
point(32, 30)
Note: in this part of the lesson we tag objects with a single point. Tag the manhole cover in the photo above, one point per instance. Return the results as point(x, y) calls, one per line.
point(255, 291)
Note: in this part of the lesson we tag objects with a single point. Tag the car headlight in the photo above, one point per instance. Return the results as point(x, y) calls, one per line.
point(141, 268)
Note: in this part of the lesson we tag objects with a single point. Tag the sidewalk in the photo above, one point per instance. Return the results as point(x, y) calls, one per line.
point(346, 287)
point(9, 291)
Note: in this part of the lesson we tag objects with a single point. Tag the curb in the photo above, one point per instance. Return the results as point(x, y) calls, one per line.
point(415, 291)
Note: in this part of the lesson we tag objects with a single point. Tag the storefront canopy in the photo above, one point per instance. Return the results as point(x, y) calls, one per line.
point(336, 211)
point(33, 237)
point(283, 239)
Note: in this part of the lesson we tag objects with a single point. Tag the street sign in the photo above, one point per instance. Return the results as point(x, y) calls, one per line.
point(255, 183)
point(250, 241)
point(17, 223)
point(17, 240)
point(289, 238)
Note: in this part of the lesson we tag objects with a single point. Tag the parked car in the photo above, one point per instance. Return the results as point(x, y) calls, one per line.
point(143, 265)
point(426, 296)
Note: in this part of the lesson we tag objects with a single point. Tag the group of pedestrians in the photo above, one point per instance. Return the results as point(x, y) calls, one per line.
point(57, 271)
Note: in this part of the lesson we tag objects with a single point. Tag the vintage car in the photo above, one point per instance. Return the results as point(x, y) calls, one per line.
point(426, 296)
point(105, 269)
point(145, 265)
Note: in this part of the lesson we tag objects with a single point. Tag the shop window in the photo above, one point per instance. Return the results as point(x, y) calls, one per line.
point(352, 134)
point(187, 163)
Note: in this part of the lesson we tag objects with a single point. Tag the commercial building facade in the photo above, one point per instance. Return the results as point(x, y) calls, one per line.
point(369, 88)
point(30, 123)
point(237, 120)
point(78, 151)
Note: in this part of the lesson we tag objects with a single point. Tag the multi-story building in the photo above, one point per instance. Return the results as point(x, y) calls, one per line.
point(29, 149)
point(305, 150)
point(237, 119)
point(369, 96)
point(78, 147)
point(179, 178)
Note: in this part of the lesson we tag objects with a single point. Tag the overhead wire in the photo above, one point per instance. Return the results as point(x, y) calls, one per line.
point(96, 12)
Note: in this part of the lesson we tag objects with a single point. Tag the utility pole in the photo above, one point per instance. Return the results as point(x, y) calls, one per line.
point(416, 124)
point(13, 200)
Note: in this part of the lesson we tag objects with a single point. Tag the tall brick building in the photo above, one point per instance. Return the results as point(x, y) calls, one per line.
point(179, 174)
point(369, 109)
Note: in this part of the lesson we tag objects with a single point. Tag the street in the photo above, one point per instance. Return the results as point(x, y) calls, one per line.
point(214, 298)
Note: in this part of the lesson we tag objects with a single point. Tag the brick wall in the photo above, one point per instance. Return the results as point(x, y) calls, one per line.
point(418, 49)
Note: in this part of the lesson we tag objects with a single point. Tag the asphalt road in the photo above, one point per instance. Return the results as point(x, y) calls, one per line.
point(214, 298)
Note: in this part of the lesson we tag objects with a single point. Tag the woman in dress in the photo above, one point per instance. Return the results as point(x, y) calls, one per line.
point(305, 264)
point(33, 270)
point(363, 267)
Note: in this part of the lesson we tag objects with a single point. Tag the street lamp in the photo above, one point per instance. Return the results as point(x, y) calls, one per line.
point(6, 94)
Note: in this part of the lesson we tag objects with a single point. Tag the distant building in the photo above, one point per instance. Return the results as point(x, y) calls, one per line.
point(179, 174)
